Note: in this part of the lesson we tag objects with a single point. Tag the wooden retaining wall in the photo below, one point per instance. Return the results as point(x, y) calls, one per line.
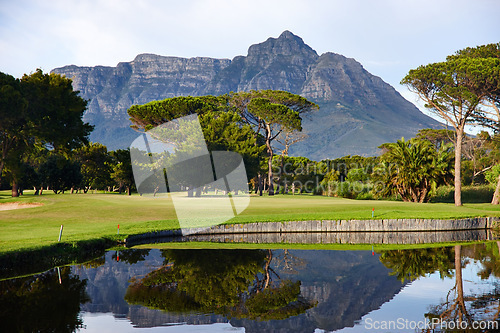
point(375, 237)
point(388, 226)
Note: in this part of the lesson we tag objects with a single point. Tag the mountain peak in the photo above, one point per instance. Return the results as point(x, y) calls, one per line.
point(286, 44)
point(358, 111)
point(288, 34)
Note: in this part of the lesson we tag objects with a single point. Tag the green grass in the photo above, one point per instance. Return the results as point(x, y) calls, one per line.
point(94, 216)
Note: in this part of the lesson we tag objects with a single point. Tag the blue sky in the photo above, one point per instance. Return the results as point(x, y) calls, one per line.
point(389, 37)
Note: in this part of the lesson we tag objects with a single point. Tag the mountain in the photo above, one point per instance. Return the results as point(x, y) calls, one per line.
point(358, 111)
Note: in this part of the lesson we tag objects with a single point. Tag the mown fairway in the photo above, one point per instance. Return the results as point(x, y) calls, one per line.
point(91, 216)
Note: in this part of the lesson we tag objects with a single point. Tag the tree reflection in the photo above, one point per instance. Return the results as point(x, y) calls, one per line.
point(94, 263)
point(42, 303)
point(458, 307)
point(234, 283)
point(489, 256)
point(131, 256)
point(412, 264)
point(467, 309)
point(454, 309)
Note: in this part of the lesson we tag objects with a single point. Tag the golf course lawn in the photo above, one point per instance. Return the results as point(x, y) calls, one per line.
point(93, 216)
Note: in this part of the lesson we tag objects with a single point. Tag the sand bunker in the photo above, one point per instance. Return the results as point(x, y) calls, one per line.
point(18, 205)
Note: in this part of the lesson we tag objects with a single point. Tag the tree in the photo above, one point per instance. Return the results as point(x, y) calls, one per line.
point(453, 90)
point(56, 111)
point(271, 112)
point(38, 110)
point(223, 129)
point(122, 172)
point(95, 166)
point(150, 115)
point(437, 137)
point(414, 167)
point(59, 173)
point(13, 124)
point(492, 176)
point(488, 55)
point(286, 139)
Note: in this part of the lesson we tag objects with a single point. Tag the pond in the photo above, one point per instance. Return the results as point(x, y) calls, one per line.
point(290, 290)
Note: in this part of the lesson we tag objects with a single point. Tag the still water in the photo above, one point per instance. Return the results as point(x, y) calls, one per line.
point(139, 290)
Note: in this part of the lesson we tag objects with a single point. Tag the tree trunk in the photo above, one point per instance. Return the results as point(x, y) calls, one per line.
point(267, 269)
point(496, 195)
point(260, 185)
point(129, 192)
point(15, 189)
point(270, 162)
point(2, 163)
point(462, 311)
point(458, 166)
point(282, 173)
point(270, 176)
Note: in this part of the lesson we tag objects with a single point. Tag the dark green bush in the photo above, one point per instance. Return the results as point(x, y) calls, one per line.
point(470, 194)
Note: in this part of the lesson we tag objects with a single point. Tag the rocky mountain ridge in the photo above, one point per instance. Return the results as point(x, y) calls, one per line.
point(359, 111)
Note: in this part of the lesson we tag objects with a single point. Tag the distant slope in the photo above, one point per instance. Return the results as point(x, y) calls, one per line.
point(359, 111)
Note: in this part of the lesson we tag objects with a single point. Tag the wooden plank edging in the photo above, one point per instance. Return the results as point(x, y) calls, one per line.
point(316, 226)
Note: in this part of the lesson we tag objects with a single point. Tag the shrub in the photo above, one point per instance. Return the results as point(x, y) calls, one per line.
point(492, 175)
point(470, 194)
point(350, 190)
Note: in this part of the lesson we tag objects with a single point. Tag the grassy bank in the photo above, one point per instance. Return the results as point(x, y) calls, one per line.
point(29, 262)
point(95, 216)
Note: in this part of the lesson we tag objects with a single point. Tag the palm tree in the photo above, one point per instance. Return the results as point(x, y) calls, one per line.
point(415, 167)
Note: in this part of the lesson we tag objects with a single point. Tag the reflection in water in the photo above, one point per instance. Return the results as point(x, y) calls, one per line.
point(412, 264)
point(449, 262)
point(468, 309)
point(232, 283)
point(258, 290)
point(42, 303)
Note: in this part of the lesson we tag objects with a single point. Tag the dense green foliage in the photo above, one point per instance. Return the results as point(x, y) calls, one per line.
point(152, 114)
point(244, 122)
point(272, 113)
point(413, 168)
point(39, 112)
